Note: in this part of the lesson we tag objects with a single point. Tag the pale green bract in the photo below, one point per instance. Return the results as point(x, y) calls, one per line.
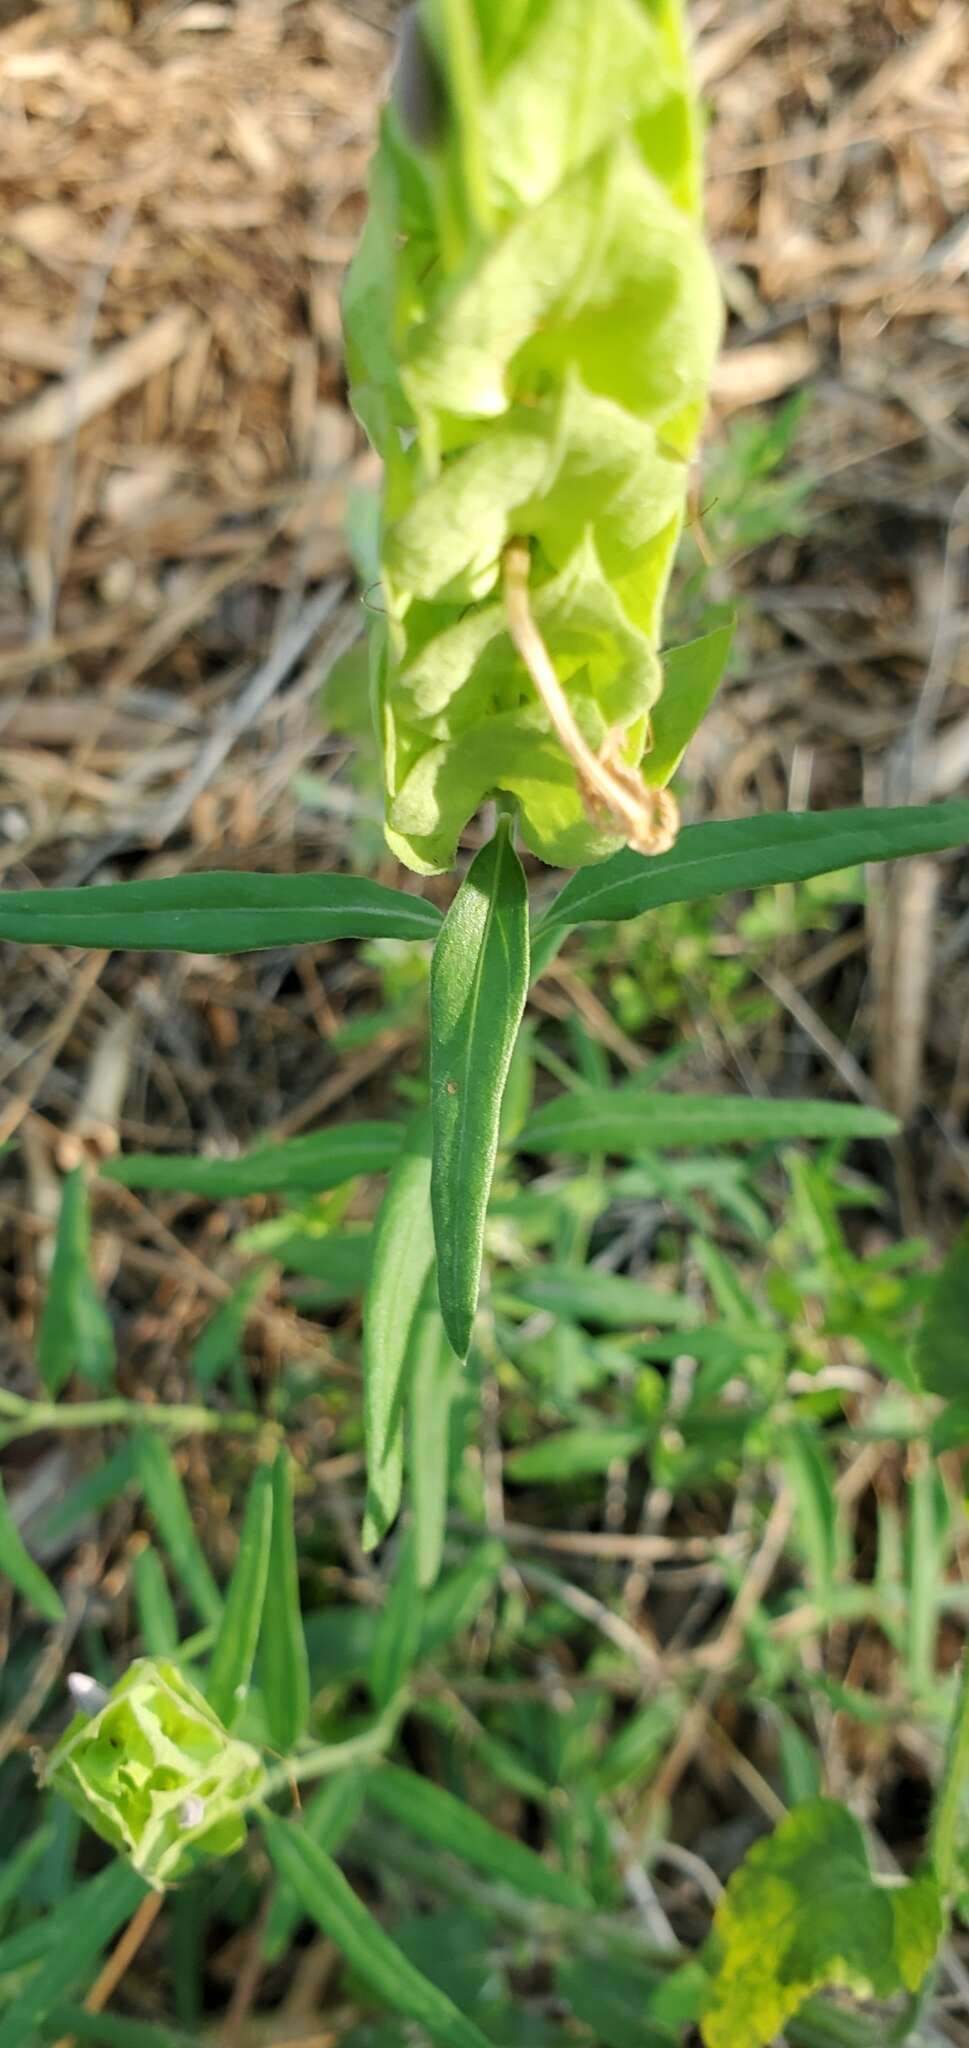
point(531, 322)
point(156, 1774)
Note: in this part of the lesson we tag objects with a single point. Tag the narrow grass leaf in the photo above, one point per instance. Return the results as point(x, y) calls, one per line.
point(16, 1870)
point(317, 1162)
point(165, 1495)
point(283, 1664)
point(74, 1936)
point(612, 1300)
point(215, 913)
point(403, 1255)
point(428, 1810)
point(84, 1500)
point(234, 1651)
point(611, 1120)
point(479, 981)
point(220, 1343)
point(18, 1566)
point(343, 1918)
point(752, 853)
point(327, 1817)
point(398, 1639)
point(435, 1377)
point(942, 1345)
point(154, 1606)
point(75, 1330)
point(575, 1453)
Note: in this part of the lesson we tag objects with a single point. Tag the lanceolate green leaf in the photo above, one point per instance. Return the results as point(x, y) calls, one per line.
point(435, 1379)
point(235, 1645)
point(751, 853)
point(479, 981)
point(283, 1665)
point(75, 1330)
point(317, 1162)
point(450, 1824)
point(76, 1933)
point(165, 1495)
point(340, 1914)
point(403, 1256)
point(691, 679)
point(942, 1345)
point(629, 1122)
point(17, 1565)
point(215, 913)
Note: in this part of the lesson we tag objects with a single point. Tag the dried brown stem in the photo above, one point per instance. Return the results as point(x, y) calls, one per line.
point(648, 818)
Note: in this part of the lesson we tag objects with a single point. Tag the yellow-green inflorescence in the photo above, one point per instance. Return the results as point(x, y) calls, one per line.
point(155, 1773)
point(531, 322)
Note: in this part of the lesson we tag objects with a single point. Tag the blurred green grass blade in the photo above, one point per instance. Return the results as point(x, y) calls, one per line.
point(942, 1344)
point(283, 1664)
point(574, 1453)
point(811, 1480)
point(18, 1566)
point(435, 1377)
point(403, 1254)
point(75, 1329)
point(479, 981)
point(107, 2030)
point(157, 1620)
point(613, 1300)
point(398, 1639)
point(752, 853)
point(327, 1818)
point(165, 1495)
point(234, 1651)
point(627, 1123)
point(450, 1824)
point(15, 1871)
point(89, 1494)
point(220, 1344)
point(215, 913)
point(691, 678)
point(317, 1162)
point(342, 1917)
point(74, 1936)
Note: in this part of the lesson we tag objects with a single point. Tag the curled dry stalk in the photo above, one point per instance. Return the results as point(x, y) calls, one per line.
point(648, 818)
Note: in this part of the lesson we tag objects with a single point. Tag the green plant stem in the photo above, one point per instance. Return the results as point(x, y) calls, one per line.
point(327, 1758)
point(945, 1819)
point(28, 1418)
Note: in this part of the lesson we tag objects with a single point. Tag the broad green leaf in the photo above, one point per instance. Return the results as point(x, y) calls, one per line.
point(479, 981)
point(403, 1255)
point(449, 1823)
point(752, 853)
point(234, 1650)
point(691, 679)
point(627, 1123)
point(165, 1496)
point(573, 1453)
point(75, 1330)
point(612, 1300)
point(611, 2000)
point(18, 1566)
point(157, 1620)
point(942, 1346)
point(73, 1937)
point(316, 1162)
point(220, 1343)
point(283, 1665)
point(435, 1377)
point(804, 1911)
point(215, 913)
point(344, 1919)
point(398, 1639)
